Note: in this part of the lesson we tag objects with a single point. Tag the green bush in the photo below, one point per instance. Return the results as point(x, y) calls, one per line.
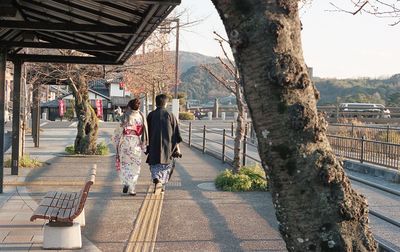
point(186, 116)
point(248, 179)
point(102, 149)
point(25, 162)
point(70, 149)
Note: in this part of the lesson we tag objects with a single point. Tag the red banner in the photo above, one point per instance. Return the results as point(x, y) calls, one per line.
point(121, 85)
point(99, 107)
point(61, 107)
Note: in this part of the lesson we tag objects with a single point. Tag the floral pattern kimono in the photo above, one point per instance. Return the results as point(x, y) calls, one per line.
point(129, 138)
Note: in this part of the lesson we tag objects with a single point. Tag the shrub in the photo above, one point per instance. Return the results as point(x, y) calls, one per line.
point(248, 179)
point(26, 162)
point(102, 149)
point(186, 116)
point(70, 149)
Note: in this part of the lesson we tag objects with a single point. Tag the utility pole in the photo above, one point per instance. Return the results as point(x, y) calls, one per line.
point(176, 57)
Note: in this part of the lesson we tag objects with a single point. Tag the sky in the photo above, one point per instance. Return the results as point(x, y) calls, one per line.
point(335, 44)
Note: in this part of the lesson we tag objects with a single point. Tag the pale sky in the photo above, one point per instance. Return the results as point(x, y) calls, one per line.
point(335, 44)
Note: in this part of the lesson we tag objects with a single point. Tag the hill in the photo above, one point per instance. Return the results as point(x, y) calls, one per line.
point(200, 85)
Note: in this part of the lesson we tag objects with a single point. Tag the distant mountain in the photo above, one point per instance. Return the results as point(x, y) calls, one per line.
point(199, 85)
point(191, 59)
point(385, 91)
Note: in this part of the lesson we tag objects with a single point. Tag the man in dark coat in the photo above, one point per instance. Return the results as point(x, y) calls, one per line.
point(164, 139)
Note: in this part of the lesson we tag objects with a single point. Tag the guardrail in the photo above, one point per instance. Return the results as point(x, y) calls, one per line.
point(386, 133)
point(364, 150)
point(219, 144)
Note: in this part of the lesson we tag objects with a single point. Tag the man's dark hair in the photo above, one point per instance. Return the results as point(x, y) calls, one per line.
point(161, 100)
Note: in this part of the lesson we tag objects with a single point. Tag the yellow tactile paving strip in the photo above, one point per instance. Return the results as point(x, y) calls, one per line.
point(144, 234)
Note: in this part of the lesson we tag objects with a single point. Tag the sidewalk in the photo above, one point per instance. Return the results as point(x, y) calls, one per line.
point(194, 216)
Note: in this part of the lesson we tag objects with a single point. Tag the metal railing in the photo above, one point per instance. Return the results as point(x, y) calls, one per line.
point(378, 133)
point(219, 143)
point(364, 150)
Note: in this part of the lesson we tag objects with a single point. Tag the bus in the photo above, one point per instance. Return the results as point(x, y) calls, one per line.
point(364, 110)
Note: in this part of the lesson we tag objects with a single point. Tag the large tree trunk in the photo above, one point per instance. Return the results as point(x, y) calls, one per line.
point(315, 205)
point(86, 138)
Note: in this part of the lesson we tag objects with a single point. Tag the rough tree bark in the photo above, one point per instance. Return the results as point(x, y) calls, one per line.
point(86, 137)
point(315, 205)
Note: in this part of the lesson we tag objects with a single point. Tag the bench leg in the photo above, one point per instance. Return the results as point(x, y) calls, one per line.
point(62, 237)
point(81, 218)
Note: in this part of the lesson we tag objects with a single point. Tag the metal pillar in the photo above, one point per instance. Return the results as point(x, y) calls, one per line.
point(176, 59)
point(16, 121)
point(36, 116)
point(3, 53)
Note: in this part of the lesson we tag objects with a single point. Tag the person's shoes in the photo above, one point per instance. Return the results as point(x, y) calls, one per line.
point(125, 189)
point(157, 188)
point(132, 193)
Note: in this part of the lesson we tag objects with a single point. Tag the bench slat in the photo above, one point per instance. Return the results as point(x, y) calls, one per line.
point(65, 203)
point(70, 204)
point(40, 212)
point(54, 213)
point(61, 200)
point(46, 201)
point(50, 194)
point(65, 215)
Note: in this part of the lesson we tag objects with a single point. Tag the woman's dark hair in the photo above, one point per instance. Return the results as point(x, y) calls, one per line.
point(134, 104)
point(161, 100)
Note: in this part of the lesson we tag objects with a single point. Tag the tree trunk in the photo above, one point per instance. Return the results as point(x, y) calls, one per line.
point(315, 205)
point(86, 138)
point(239, 129)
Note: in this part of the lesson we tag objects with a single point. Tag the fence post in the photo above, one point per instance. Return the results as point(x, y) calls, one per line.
point(244, 146)
point(337, 112)
point(362, 148)
point(232, 129)
point(352, 129)
point(204, 139)
point(387, 133)
point(223, 145)
point(190, 135)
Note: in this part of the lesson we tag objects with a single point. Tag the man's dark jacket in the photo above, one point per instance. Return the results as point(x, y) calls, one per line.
point(164, 135)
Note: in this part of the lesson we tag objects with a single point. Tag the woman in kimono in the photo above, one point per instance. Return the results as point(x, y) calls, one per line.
point(130, 138)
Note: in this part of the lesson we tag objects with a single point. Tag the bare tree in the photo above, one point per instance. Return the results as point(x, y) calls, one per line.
point(236, 89)
point(316, 207)
point(77, 78)
point(153, 70)
point(382, 9)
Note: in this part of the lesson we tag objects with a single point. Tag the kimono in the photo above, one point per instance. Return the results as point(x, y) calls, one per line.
point(164, 135)
point(129, 138)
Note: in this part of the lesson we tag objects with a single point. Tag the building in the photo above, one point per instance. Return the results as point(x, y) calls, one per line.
point(112, 93)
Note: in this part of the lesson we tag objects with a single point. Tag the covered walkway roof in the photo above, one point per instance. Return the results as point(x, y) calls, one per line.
point(106, 31)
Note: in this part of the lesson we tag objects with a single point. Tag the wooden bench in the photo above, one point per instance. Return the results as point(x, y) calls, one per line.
point(65, 213)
